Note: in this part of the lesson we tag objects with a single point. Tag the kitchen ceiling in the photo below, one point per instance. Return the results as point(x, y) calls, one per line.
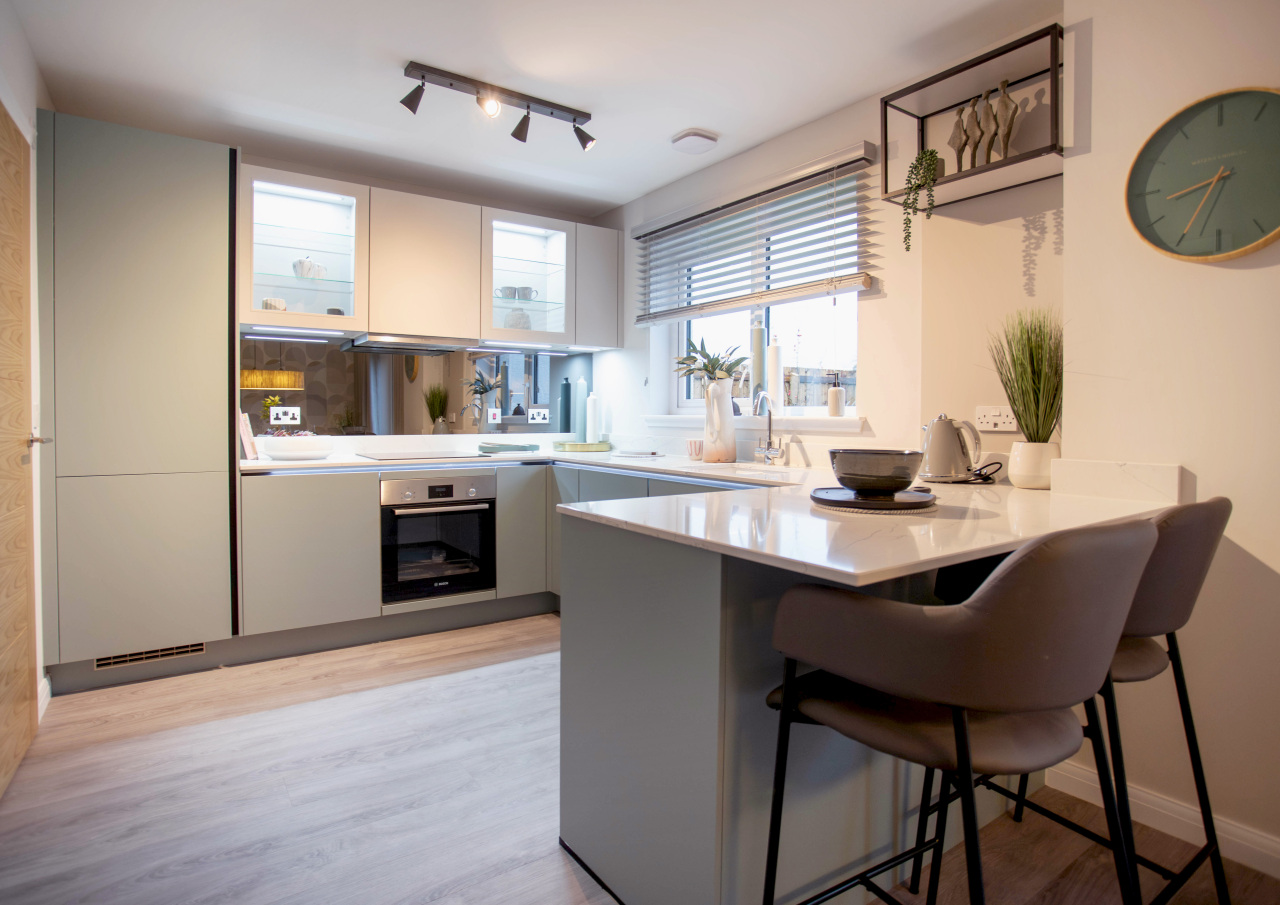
point(318, 82)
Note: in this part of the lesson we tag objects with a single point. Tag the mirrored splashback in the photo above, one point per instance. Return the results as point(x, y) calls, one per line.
point(383, 393)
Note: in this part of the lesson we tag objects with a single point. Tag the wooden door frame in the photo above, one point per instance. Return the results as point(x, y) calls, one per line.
point(19, 703)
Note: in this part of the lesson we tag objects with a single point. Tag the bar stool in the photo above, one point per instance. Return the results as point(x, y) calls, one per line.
point(986, 685)
point(1188, 539)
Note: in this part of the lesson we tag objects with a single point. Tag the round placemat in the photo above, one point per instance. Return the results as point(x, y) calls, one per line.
point(846, 500)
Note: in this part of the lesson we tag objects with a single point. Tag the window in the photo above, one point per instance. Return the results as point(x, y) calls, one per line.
point(786, 261)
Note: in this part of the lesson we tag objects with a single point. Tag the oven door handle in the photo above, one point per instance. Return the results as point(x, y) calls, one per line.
point(439, 510)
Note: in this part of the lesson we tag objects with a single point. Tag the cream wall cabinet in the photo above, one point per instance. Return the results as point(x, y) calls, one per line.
point(598, 286)
point(302, 251)
point(528, 278)
point(424, 265)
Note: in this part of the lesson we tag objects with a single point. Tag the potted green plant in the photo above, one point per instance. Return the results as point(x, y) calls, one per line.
point(481, 387)
point(922, 175)
point(719, 442)
point(437, 400)
point(1028, 359)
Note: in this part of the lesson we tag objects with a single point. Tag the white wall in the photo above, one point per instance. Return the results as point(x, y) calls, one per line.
point(1171, 361)
point(22, 90)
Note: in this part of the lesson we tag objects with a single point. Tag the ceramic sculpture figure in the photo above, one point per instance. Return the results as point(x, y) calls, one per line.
point(973, 127)
point(987, 120)
point(958, 138)
point(1006, 113)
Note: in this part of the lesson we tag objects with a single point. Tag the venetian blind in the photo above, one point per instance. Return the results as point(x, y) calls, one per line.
point(798, 241)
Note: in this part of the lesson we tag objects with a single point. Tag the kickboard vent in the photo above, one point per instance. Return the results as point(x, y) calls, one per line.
point(142, 656)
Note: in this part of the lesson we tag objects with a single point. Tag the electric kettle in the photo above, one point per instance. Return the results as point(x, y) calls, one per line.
point(948, 458)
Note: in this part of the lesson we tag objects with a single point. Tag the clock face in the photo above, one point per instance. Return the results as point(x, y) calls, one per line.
point(1206, 186)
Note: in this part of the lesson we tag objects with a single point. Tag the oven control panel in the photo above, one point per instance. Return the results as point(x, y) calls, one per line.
point(440, 489)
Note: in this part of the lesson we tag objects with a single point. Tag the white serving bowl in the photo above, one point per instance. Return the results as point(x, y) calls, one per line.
point(287, 449)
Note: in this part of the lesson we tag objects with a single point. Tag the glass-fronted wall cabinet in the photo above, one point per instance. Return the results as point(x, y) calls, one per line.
point(303, 248)
point(529, 278)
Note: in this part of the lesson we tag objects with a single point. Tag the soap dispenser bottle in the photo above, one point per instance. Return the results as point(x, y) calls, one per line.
point(835, 397)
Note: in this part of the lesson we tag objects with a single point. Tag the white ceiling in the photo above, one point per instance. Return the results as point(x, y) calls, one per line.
point(318, 81)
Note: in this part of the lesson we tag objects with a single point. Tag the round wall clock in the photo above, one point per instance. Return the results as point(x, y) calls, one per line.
point(1206, 186)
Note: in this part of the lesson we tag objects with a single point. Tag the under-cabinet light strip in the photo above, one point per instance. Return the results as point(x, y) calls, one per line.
point(307, 330)
point(289, 339)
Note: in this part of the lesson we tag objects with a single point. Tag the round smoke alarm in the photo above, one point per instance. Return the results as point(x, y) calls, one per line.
point(694, 141)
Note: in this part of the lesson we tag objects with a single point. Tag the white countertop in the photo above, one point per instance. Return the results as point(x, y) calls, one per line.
point(780, 527)
point(676, 466)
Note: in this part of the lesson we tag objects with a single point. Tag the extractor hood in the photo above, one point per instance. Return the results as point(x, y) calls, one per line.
point(406, 345)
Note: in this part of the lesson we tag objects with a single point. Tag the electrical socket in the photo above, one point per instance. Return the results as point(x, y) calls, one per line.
point(995, 419)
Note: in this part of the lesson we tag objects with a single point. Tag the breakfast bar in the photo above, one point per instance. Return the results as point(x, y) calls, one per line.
point(667, 746)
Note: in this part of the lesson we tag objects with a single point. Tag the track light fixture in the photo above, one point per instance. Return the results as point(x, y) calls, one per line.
point(521, 131)
point(492, 97)
point(584, 139)
point(414, 97)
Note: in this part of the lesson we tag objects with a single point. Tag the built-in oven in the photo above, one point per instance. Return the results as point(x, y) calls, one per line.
point(438, 536)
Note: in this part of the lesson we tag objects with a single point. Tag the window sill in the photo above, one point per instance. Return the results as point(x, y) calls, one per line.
point(796, 424)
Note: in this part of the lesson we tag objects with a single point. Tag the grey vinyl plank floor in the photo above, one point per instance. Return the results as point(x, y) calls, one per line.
point(420, 770)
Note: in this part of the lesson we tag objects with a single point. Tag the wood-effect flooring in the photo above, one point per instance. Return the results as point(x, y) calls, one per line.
point(418, 770)
point(423, 770)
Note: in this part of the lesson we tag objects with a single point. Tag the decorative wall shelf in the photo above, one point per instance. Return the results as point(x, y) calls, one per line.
point(917, 113)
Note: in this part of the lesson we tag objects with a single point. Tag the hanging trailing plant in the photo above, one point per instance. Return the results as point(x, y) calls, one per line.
point(922, 174)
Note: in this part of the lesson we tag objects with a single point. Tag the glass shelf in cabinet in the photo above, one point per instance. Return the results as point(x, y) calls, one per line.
point(501, 301)
point(288, 281)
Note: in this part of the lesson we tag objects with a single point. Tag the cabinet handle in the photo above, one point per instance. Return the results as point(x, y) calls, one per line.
point(438, 510)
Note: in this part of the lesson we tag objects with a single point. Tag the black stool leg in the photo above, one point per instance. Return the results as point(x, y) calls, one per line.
point(922, 819)
point(1197, 769)
point(779, 778)
point(1022, 798)
point(968, 807)
point(939, 832)
point(1124, 873)
point(1108, 693)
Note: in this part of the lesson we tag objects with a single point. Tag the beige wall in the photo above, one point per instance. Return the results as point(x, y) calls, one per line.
point(984, 259)
point(1176, 362)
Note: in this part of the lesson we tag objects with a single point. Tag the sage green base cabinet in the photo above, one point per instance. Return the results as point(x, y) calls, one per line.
point(310, 550)
point(143, 562)
point(522, 530)
point(562, 487)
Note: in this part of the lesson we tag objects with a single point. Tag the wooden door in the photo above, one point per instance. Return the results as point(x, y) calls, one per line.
point(18, 712)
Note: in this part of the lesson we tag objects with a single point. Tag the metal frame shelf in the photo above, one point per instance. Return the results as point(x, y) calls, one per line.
point(1019, 61)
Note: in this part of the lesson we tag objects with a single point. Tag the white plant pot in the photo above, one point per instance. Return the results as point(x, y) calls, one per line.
point(719, 443)
point(1029, 464)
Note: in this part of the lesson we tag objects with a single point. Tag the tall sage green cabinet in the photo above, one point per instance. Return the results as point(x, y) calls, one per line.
point(135, 322)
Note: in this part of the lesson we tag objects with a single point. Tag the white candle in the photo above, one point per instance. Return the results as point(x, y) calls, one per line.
point(593, 419)
point(774, 371)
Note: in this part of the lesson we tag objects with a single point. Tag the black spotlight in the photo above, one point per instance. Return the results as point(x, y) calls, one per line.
point(414, 97)
point(521, 131)
point(584, 139)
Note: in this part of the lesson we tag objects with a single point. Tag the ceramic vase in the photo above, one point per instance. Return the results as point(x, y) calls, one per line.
point(1029, 464)
point(719, 443)
point(440, 426)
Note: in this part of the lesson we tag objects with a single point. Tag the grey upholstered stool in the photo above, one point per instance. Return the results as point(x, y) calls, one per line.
point(1188, 539)
point(986, 685)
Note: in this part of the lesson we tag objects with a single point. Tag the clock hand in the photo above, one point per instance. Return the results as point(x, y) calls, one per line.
point(1194, 187)
point(1207, 193)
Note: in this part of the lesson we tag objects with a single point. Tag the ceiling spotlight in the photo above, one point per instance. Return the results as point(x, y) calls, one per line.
point(584, 139)
point(414, 97)
point(491, 98)
point(521, 131)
